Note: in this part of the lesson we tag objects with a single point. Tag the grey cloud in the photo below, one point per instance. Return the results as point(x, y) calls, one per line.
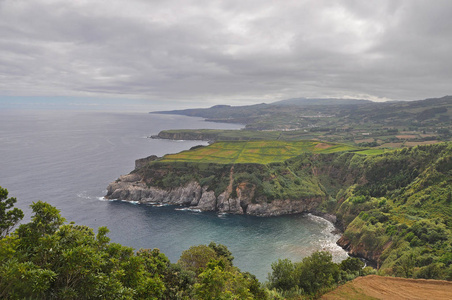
point(219, 51)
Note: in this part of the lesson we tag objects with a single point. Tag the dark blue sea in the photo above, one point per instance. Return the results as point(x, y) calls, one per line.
point(68, 158)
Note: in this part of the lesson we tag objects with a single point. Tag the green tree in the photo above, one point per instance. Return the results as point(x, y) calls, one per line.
point(431, 271)
point(21, 280)
point(49, 260)
point(196, 258)
point(405, 265)
point(351, 264)
point(220, 282)
point(283, 275)
point(222, 251)
point(178, 281)
point(9, 216)
point(46, 220)
point(317, 272)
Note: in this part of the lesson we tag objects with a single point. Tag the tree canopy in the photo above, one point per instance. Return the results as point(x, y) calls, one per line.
point(49, 259)
point(9, 216)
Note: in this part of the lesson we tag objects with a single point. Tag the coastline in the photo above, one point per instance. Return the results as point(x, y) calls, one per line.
point(342, 242)
point(132, 188)
point(138, 193)
point(235, 208)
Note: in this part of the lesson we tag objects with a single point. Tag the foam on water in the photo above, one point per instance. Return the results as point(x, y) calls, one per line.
point(189, 209)
point(328, 238)
point(84, 195)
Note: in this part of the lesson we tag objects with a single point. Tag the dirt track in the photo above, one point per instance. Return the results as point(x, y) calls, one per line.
point(378, 287)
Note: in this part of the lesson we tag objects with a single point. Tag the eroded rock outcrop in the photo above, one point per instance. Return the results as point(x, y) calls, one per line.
point(141, 162)
point(131, 187)
point(360, 250)
point(283, 207)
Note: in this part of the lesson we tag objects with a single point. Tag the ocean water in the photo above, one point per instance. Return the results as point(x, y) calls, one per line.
point(68, 158)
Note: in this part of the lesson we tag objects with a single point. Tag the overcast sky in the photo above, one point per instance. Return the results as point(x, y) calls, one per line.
point(193, 53)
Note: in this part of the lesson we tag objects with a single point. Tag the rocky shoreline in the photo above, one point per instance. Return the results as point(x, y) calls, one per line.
point(131, 187)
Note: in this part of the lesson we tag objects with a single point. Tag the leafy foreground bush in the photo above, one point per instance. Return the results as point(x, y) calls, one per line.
point(314, 275)
point(48, 259)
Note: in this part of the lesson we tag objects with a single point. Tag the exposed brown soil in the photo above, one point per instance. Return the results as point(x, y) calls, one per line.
point(370, 140)
point(391, 145)
point(412, 144)
point(322, 146)
point(378, 287)
point(406, 136)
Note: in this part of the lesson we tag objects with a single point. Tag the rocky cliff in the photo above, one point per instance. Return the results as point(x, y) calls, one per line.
point(139, 163)
point(359, 250)
point(369, 194)
point(186, 135)
point(131, 187)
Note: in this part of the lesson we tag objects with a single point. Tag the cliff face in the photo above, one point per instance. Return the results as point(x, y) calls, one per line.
point(139, 163)
point(363, 192)
point(132, 188)
point(359, 250)
point(195, 136)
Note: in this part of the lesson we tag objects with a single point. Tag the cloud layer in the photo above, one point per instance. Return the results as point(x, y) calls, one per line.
point(226, 51)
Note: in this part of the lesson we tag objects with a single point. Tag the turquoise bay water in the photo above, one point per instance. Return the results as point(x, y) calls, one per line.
point(69, 158)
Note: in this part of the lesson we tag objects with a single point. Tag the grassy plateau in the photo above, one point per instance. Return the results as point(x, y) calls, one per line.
point(260, 152)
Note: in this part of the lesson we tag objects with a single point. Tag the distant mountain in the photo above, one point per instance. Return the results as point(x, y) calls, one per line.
point(320, 101)
point(222, 113)
point(247, 114)
point(224, 110)
point(334, 115)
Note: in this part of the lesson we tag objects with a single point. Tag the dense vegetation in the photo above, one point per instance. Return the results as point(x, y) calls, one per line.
point(395, 207)
point(48, 259)
point(314, 275)
point(389, 124)
point(275, 169)
point(402, 215)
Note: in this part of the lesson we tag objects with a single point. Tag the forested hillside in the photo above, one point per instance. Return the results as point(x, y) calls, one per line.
point(395, 207)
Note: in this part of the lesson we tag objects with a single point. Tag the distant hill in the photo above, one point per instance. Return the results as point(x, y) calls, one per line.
point(302, 112)
point(392, 124)
point(320, 101)
point(220, 113)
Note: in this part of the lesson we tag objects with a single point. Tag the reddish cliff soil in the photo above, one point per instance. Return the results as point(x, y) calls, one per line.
point(378, 287)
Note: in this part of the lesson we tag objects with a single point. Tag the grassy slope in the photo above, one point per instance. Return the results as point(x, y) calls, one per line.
point(395, 207)
point(402, 214)
point(260, 164)
point(258, 152)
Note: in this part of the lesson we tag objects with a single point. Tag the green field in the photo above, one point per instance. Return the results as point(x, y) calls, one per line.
point(260, 152)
